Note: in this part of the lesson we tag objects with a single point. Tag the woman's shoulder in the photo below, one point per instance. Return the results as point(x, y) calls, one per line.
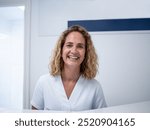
point(46, 77)
point(93, 82)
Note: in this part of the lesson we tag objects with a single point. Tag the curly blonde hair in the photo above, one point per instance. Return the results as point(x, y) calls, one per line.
point(89, 66)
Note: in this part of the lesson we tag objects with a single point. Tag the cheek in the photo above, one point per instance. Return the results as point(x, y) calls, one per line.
point(64, 53)
point(63, 50)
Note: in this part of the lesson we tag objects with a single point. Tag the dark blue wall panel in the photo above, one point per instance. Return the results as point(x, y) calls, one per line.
point(113, 24)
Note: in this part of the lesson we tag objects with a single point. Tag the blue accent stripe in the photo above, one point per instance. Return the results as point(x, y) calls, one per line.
point(113, 24)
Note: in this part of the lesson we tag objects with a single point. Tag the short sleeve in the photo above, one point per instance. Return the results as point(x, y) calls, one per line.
point(37, 98)
point(99, 99)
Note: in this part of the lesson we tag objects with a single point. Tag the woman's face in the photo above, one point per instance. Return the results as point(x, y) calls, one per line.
point(73, 51)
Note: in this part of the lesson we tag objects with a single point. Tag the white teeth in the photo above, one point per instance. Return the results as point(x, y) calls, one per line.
point(73, 57)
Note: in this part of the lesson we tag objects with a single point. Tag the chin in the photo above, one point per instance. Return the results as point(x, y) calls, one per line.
point(73, 64)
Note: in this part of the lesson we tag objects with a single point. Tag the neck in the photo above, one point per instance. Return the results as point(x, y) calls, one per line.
point(70, 74)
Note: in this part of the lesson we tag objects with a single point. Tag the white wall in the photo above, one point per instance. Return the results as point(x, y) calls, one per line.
point(124, 64)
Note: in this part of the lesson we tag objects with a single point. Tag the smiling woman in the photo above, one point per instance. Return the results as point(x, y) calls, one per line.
point(71, 85)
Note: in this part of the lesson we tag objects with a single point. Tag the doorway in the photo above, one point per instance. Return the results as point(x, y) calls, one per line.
point(11, 57)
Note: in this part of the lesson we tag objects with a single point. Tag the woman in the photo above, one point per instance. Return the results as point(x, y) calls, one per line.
point(71, 85)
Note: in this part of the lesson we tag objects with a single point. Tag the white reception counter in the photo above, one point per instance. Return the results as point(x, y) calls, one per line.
point(140, 107)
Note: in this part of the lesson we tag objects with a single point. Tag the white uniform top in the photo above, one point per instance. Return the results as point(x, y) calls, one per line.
point(49, 94)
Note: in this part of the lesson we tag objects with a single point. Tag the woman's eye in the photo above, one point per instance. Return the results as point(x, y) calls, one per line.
point(80, 46)
point(69, 45)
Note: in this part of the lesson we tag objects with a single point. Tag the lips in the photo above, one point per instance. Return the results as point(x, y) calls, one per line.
point(73, 57)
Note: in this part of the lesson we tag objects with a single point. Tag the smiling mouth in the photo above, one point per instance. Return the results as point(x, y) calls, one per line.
point(73, 57)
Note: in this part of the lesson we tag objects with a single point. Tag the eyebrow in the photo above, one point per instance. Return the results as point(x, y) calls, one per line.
point(69, 43)
point(82, 44)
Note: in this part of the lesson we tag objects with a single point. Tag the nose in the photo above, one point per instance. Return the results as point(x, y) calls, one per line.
point(74, 49)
